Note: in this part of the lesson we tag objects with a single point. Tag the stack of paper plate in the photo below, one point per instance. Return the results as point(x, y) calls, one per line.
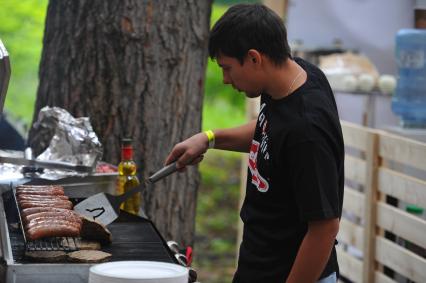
point(138, 272)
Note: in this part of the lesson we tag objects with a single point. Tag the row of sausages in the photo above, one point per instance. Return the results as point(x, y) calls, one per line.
point(47, 212)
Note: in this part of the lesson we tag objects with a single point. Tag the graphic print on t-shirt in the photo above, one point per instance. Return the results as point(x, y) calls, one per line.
point(256, 179)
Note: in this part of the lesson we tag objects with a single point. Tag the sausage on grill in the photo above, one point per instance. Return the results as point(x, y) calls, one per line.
point(52, 222)
point(55, 191)
point(67, 215)
point(52, 230)
point(46, 212)
point(31, 210)
point(44, 200)
point(40, 197)
point(49, 213)
point(39, 187)
point(59, 204)
point(47, 200)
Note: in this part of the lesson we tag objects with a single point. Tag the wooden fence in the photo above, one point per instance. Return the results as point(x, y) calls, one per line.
point(378, 240)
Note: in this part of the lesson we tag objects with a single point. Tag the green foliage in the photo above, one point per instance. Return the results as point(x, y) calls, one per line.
point(217, 216)
point(21, 30)
point(217, 11)
point(232, 2)
point(218, 198)
point(222, 114)
point(215, 88)
point(219, 195)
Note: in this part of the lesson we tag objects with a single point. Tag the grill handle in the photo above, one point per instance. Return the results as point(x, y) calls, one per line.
point(163, 172)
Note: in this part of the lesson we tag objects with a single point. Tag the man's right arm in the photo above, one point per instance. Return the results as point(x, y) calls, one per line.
point(235, 139)
point(191, 150)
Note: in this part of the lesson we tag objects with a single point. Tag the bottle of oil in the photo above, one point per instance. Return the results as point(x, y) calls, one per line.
point(127, 178)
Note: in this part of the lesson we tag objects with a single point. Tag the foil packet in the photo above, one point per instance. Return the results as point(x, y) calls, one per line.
point(73, 141)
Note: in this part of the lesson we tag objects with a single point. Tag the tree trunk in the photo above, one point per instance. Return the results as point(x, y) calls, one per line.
point(137, 69)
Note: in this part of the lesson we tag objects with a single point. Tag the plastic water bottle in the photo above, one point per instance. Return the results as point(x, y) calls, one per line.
point(409, 102)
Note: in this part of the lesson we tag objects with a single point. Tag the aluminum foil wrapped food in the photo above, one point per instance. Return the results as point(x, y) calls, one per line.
point(73, 141)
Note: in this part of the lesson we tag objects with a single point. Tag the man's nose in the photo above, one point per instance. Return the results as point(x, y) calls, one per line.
point(226, 79)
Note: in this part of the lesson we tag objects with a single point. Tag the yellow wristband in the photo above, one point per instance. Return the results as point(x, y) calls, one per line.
point(210, 137)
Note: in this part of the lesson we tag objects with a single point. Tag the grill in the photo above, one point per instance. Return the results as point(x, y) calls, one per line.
point(67, 244)
point(133, 238)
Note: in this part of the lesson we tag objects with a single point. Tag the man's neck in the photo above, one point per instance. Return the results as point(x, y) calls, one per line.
point(284, 79)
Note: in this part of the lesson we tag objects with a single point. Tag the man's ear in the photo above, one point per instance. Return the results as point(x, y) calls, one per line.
point(254, 56)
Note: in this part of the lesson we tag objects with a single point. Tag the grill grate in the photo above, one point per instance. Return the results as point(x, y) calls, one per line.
point(67, 244)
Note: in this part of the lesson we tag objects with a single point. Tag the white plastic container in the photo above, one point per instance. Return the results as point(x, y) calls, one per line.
point(138, 272)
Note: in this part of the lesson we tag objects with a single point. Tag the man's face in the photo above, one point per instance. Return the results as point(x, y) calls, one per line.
point(241, 77)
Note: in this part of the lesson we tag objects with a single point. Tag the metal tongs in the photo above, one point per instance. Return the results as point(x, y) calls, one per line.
point(30, 162)
point(105, 208)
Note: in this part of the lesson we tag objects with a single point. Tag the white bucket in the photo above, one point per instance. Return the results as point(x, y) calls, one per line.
point(138, 272)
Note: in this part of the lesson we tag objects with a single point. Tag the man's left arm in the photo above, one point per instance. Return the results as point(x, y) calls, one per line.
point(314, 251)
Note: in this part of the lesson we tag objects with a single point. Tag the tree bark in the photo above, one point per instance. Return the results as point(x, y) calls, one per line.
point(137, 69)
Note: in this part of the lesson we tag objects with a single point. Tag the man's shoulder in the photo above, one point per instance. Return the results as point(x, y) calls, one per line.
point(297, 131)
point(308, 130)
point(314, 72)
point(307, 65)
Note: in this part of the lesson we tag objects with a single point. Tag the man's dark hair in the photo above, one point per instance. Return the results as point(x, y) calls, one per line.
point(249, 26)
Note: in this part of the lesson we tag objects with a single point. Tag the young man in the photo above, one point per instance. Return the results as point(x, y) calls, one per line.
point(295, 177)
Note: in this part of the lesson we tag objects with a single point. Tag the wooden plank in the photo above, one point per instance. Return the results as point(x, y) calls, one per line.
point(401, 260)
point(401, 223)
point(381, 278)
point(403, 187)
point(353, 202)
point(382, 198)
point(252, 108)
point(350, 233)
point(355, 169)
point(370, 208)
point(403, 150)
point(349, 266)
point(279, 7)
point(354, 135)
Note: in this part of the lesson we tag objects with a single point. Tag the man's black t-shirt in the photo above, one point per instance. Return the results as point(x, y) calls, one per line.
point(295, 175)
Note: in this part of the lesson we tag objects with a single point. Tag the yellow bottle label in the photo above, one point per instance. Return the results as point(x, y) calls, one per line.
point(126, 180)
point(124, 183)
